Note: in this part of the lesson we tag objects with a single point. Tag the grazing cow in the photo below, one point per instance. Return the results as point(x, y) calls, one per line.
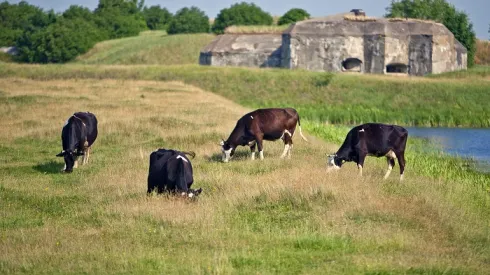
point(263, 124)
point(372, 139)
point(77, 137)
point(171, 171)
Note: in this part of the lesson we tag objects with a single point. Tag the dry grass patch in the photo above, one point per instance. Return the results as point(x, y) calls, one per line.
point(268, 29)
point(271, 216)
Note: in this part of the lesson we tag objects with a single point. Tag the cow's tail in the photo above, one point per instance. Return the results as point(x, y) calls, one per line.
point(301, 132)
point(189, 153)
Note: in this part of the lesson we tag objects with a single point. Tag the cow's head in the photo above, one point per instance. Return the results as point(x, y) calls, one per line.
point(227, 151)
point(70, 158)
point(333, 162)
point(192, 193)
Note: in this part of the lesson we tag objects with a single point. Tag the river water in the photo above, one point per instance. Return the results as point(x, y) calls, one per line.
point(461, 142)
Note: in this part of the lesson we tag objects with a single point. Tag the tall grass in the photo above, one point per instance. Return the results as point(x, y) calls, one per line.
point(271, 216)
point(150, 47)
point(454, 100)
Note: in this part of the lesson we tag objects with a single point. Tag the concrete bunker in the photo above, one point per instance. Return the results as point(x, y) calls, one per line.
point(348, 42)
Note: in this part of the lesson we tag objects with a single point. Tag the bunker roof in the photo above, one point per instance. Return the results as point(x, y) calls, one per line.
point(350, 24)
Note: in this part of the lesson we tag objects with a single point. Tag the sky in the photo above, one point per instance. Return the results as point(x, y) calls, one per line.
point(477, 10)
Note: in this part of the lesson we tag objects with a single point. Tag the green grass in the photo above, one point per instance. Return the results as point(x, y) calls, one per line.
point(424, 157)
point(454, 99)
point(151, 47)
point(271, 216)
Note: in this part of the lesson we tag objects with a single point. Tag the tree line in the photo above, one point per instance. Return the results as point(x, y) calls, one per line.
point(48, 37)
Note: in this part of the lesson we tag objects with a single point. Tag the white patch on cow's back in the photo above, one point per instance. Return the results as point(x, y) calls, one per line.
point(251, 117)
point(362, 130)
point(181, 157)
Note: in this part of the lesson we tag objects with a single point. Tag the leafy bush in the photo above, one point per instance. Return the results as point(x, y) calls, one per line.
point(17, 18)
point(241, 14)
point(120, 18)
point(292, 16)
point(441, 11)
point(157, 18)
point(75, 11)
point(189, 20)
point(59, 42)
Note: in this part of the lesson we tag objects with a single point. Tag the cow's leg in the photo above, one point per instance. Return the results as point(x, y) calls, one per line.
point(85, 155)
point(75, 165)
point(287, 137)
point(360, 163)
point(259, 139)
point(253, 145)
point(401, 161)
point(391, 163)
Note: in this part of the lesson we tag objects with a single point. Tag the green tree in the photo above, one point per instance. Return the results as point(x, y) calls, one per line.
point(441, 11)
point(120, 18)
point(241, 14)
point(189, 20)
point(293, 15)
point(59, 42)
point(157, 18)
point(15, 19)
point(75, 11)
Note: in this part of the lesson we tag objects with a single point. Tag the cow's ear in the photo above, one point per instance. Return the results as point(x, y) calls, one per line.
point(198, 191)
point(62, 153)
point(222, 142)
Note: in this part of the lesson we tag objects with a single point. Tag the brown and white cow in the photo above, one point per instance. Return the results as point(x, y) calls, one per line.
point(263, 124)
point(372, 139)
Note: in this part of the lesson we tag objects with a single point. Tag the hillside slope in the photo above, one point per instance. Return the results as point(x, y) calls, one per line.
point(151, 47)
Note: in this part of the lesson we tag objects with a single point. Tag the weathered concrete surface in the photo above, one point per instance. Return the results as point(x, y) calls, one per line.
point(382, 45)
point(345, 43)
point(250, 50)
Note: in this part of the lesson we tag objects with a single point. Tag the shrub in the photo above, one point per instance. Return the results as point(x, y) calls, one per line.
point(157, 18)
point(189, 20)
point(292, 16)
point(241, 14)
point(120, 18)
point(441, 11)
point(17, 18)
point(59, 42)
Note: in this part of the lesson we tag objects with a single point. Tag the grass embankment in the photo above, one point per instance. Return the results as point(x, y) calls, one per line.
point(457, 99)
point(271, 216)
point(151, 47)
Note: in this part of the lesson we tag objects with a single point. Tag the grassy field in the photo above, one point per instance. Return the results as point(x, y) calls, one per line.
point(271, 216)
point(457, 99)
point(150, 47)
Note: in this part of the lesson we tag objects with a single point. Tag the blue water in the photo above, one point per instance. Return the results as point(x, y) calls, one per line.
point(461, 142)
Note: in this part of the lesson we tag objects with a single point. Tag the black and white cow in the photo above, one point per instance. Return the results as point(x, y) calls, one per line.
point(372, 139)
point(171, 171)
point(77, 136)
point(263, 124)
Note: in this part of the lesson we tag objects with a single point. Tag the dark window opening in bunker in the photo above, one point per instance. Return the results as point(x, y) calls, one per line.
point(352, 65)
point(397, 68)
